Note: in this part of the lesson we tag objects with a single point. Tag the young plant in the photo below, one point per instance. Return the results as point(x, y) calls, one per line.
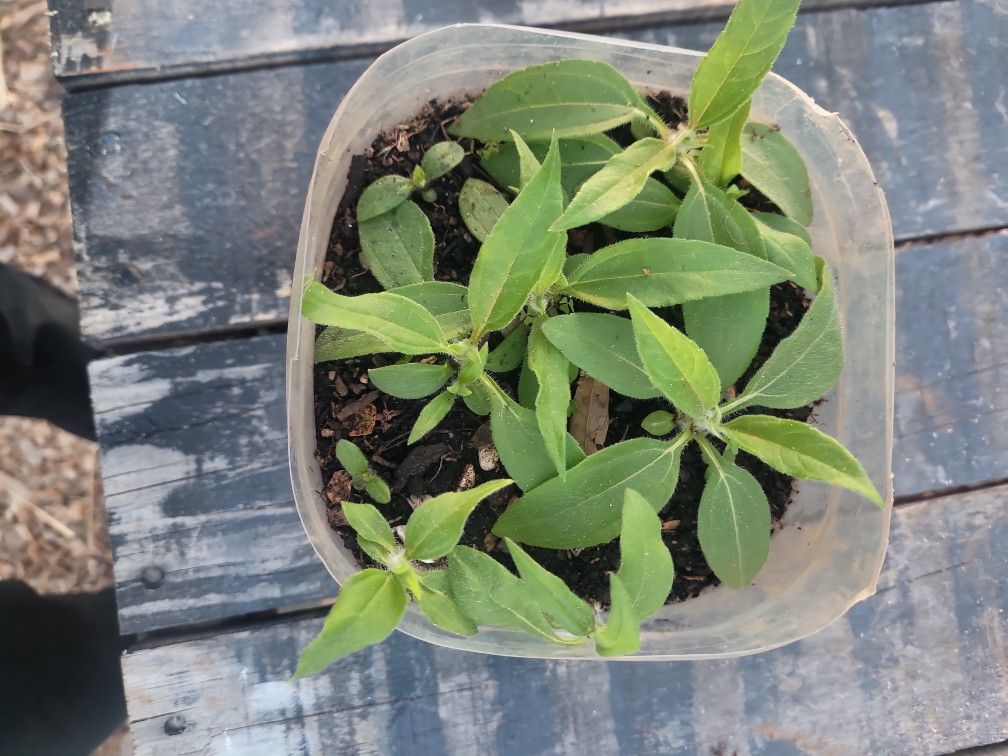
point(361, 475)
point(687, 241)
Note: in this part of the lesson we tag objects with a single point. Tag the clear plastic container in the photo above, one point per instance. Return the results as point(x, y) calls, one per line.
point(828, 554)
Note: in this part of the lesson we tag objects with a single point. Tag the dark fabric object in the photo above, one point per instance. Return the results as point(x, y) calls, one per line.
point(43, 362)
point(60, 683)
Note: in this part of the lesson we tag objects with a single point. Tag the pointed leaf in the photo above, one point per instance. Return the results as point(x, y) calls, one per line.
point(367, 610)
point(383, 195)
point(412, 380)
point(370, 524)
point(520, 444)
point(374, 550)
point(438, 604)
point(739, 59)
point(441, 158)
point(481, 206)
point(433, 413)
point(676, 366)
point(654, 208)
point(733, 522)
point(552, 398)
point(621, 634)
point(789, 251)
point(799, 450)
point(352, 458)
point(782, 224)
point(564, 98)
point(646, 569)
point(721, 158)
point(518, 250)
point(585, 509)
point(602, 345)
point(436, 525)
point(528, 163)
point(620, 180)
point(398, 246)
point(806, 364)
point(552, 595)
point(509, 354)
point(729, 329)
point(772, 164)
point(400, 323)
point(663, 272)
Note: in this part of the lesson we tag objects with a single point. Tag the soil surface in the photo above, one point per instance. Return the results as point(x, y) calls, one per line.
point(458, 454)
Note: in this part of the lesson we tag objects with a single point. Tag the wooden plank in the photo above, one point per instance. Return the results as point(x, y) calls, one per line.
point(194, 456)
point(921, 667)
point(103, 40)
point(187, 194)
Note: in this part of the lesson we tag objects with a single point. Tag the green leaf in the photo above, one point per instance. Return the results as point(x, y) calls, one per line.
point(552, 595)
point(602, 345)
point(619, 181)
point(509, 354)
point(441, 158)
point(370, 524)
point(790, 251)
point(733, 521)
point(528, 163)
point(584, 509)
point(412, 380)
point(519, 249)
point(374, 550)
point(677, 366)
point(565, 98)
point(621, 634)
point(367, 610)
point(528, 386)
point(385, 194)
point(799, 450)
point(552, 397)
point(654, 208)
point(663, 272)
point(721, 158)
point(398, 246)
point(739, 59)
point(519, 442)
point(377, 489)
point(399, 323)
point(476, 400)
point(433, 413)
point(352, 458)
point(438, 604)
point(481, 206)
point(436, 525)
point(659, 423)
point(806, 364)
point(772, 164)
point(709, 214)
point(646, 570)
point(485, 591)
point(783, 224)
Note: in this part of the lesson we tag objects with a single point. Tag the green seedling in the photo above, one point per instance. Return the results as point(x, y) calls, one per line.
point(362, 476)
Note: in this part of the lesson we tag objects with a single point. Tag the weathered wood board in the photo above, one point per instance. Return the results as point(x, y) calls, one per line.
point(921, 667)
point(103, 40)
point(194, 454)
point(187, 195)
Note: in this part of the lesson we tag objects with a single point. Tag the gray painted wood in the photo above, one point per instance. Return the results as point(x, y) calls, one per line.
point(194, 455)
point(187, 195)
point(921, 667)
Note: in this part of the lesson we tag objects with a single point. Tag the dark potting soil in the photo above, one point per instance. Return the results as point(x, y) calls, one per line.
point(458, 453)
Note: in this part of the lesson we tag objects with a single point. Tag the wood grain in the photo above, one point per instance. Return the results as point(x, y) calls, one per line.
point(187, 195)
point(921, 667)
point(194, 453)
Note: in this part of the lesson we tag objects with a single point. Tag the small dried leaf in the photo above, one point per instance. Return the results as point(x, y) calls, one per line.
point(339, 487)
point(488, 458)
point(468, 478)
point(364, 421)
point(590, 422)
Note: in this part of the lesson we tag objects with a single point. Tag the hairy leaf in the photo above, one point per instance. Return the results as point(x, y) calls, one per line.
point(739, 59)
point(401, 324)
point(783, 224)
point(433, 413)
point(552, 396)
point(385, 194)
point(788, 250)
point(646, 569)
point(621, 634)
point(584, 509)
point(367, 610)
point(799, 450)
point(376, 488)
point(439, 606)
point(436, 525)
point(370, 524)
point(772, 164)
point(481, 206)
point(512, 260)
point(565, 98)
point(398, 246)
point(721, 158)
point(806, 364)
point(509, 354)
point(528, 163)
point(659, 423)
point(663, 272)
point(412, 380)
point(352, 458)
point(441, 158)
point(676, 366)
point(552, 595)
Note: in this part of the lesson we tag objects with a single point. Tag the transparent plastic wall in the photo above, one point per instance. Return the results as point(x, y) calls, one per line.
point(828, 553)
